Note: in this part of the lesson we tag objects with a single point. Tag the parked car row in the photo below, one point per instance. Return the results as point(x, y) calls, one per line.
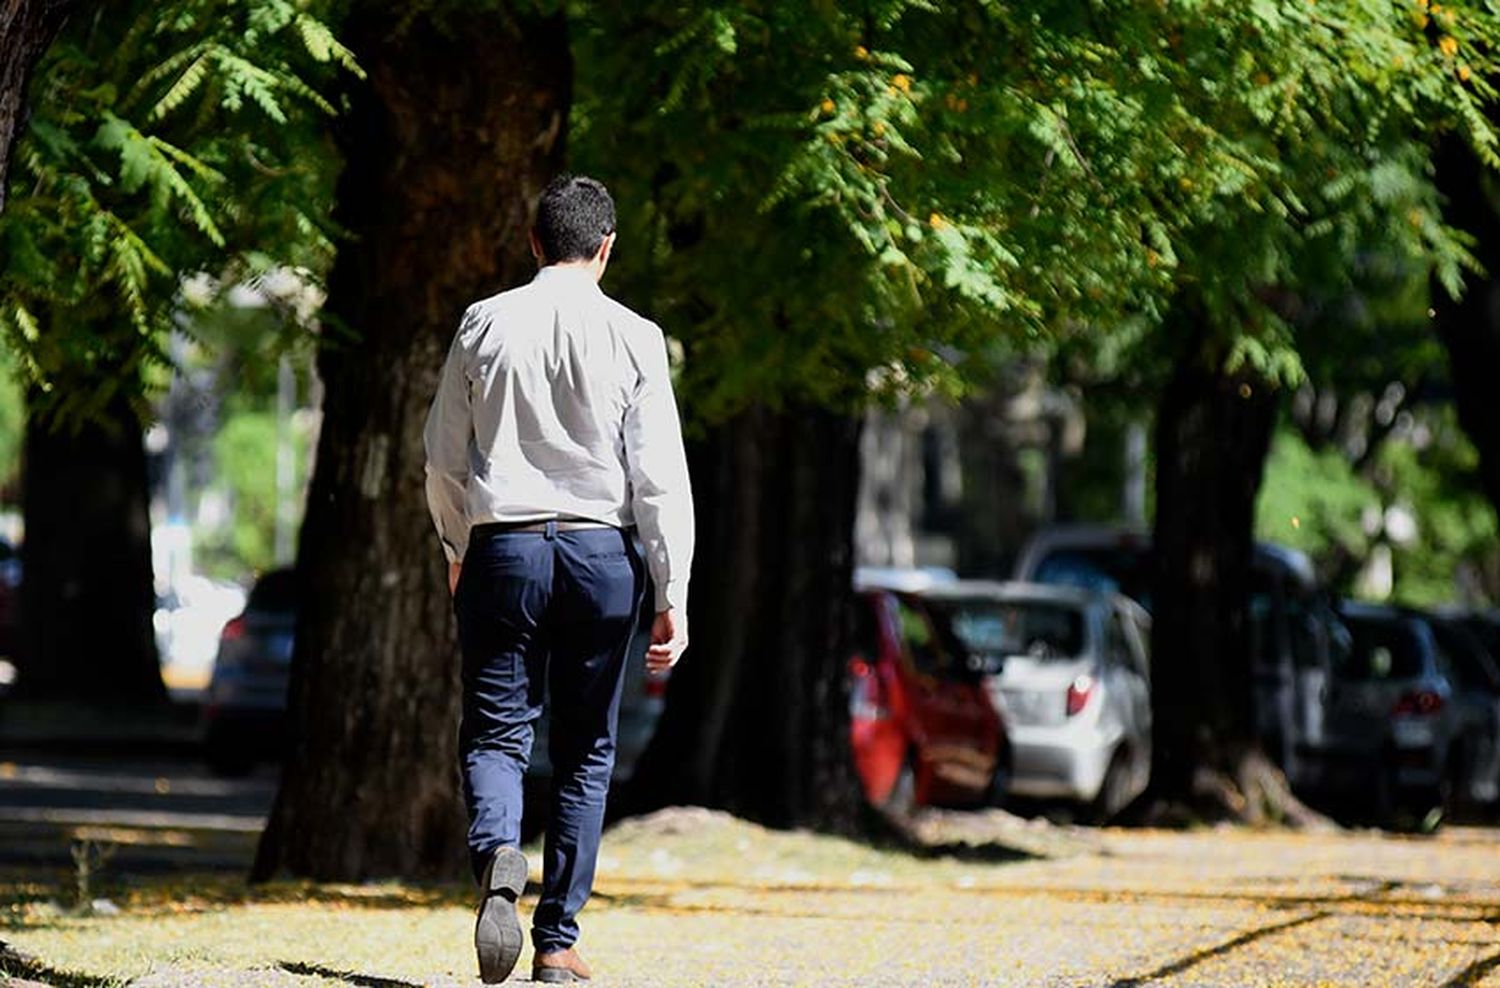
point(964, 692)
point(1400, 707)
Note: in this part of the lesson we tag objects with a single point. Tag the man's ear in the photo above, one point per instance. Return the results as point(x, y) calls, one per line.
point(536, 247)
point(605, 248)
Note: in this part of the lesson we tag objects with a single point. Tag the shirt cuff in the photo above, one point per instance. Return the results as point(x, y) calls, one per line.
point(672, 596)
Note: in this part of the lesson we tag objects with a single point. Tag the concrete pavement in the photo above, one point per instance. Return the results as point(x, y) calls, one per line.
point(691, 897)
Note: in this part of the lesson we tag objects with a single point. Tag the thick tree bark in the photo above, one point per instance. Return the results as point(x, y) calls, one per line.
point(757, 715)
point(86, 592)
point(27, 27)
point(1470, 325)
point(454, 135)
point(1213, 434)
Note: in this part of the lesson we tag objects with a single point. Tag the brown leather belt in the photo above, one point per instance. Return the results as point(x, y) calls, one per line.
point(560, 525)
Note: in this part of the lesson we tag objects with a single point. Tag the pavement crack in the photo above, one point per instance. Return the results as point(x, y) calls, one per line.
point(1218, 950)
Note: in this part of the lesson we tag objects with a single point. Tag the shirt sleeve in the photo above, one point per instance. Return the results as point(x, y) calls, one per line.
point(447, 437)
point(661, 493)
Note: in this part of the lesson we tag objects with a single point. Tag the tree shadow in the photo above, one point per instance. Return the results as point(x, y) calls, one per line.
point(884, 832)
point(24, 967)
point(347, 977)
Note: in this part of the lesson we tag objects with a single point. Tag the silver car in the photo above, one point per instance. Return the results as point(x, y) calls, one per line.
point(1069, 671)
point(1292, 630)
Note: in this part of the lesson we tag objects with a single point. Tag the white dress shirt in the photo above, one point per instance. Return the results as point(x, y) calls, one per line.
point(556, 402)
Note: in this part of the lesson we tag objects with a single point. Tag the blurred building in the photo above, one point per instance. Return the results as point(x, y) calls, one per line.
point(963, 485)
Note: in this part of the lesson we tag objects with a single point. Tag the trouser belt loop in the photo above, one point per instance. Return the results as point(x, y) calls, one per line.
point(550, 532)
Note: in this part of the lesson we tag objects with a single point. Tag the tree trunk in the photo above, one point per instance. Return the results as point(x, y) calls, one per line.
point(757, 715)
point(86, 588)
point(453, 136)
point(27, 27)
point(1470, 325)
point(1213, 435)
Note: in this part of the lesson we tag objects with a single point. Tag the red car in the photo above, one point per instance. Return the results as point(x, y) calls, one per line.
point(922, 727)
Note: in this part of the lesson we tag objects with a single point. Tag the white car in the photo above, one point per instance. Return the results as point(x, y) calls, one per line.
point(1069, 671)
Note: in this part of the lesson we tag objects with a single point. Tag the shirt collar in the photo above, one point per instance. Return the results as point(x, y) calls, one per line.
point(571, 277)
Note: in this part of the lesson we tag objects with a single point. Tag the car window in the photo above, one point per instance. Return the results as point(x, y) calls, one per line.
point(994, 629)
point(1111, 570)
point(1465, 655)
point(1382, 649)
point(928, 641)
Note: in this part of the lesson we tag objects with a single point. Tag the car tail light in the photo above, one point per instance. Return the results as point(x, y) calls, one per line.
point(1079, 692)
point(234, 630)
point(864, 692)
point(656, 684)
point(1417, 703)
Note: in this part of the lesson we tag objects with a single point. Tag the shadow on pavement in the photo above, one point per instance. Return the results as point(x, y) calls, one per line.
point(1473, 974)
point(20, 969)
point(1199, 956)
point(348, 977)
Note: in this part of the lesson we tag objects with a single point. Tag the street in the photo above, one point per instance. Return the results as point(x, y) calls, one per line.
point(691, 896)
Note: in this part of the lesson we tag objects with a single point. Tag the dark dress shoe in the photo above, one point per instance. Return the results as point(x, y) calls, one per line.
point(559, 967)
point(497, 929)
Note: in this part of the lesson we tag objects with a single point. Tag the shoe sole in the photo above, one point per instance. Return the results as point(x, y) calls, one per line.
point(497, 931)
point(555, 976)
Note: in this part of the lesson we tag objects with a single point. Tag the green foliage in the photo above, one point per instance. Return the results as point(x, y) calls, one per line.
point(1316, 502)
point(820, 199)
point(245, 457)
point(166, 139)
point(12, 423)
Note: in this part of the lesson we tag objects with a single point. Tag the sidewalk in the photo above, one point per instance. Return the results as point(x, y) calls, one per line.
point(689, 897)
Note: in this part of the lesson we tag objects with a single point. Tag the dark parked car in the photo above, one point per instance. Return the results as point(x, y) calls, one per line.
point(246, 702)
point(922, 728)
point(1395, 728)
point(1476, 684)
point(1293, 629)
point(247, 696)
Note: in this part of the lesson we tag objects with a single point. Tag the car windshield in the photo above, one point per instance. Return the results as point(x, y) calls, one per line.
point(1383, 648)
point(1109, 569)
point(1470, 659)
point(996, 628)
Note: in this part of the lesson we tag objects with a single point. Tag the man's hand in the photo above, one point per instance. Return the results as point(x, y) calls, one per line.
point(453, 570)
point(668, 638)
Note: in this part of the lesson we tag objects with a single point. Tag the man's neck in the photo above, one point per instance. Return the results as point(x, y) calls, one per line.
point(591, 268)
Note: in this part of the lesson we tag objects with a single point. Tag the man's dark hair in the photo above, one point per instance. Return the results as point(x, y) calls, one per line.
point(574, 216)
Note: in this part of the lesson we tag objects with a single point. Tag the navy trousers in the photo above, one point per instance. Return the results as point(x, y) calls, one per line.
point(551, 611)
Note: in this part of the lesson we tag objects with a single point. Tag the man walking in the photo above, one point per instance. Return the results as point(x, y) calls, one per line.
point(554, 463)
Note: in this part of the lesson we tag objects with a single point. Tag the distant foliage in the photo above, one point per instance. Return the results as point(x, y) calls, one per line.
point(166, 139)
point(824, 198)
point(1317, 502)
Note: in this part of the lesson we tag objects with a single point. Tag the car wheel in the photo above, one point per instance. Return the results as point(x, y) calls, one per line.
point(1114, 791)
